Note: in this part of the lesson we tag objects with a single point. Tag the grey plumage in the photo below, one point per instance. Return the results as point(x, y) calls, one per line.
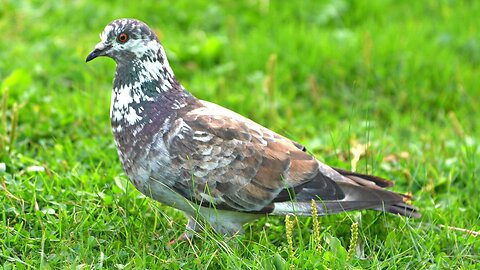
point(204, 159)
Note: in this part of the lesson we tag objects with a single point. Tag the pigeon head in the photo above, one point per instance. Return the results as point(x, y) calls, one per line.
point(143, 74)
point(126, 41)
point(138, 53)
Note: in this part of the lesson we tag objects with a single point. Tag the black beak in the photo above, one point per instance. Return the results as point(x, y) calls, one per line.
point(96, 53)
point(100, 50)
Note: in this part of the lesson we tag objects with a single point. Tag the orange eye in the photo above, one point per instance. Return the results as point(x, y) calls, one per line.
point(122, 37)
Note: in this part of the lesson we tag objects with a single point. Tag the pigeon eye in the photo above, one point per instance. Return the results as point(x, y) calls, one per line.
point(122, 38)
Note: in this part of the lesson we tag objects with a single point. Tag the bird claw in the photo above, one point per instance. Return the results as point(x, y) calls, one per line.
point(181, 238)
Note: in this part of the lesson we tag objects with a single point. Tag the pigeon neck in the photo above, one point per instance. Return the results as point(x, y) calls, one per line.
point(140, 85)
point(151, 67)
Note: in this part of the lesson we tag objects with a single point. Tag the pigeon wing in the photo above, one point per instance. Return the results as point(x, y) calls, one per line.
point(232, 163)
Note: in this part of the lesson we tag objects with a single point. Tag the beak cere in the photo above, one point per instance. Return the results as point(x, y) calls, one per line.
point(100, 50)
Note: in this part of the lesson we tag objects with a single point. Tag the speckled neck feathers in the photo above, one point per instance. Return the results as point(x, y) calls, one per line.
point(139, 84)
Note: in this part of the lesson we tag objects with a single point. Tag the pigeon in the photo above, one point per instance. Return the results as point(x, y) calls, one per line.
point(216, 166)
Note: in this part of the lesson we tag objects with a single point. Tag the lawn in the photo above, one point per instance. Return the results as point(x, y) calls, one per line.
point(393, 83)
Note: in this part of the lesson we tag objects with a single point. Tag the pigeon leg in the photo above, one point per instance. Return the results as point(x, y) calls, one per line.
point(190, 230)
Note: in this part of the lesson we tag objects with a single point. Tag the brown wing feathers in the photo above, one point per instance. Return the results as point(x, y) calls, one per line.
point(248, 168)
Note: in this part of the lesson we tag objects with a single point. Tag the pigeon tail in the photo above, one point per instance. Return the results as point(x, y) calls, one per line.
point(361, 192)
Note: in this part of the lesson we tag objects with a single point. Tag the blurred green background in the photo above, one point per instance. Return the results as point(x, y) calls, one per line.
point(400, 78)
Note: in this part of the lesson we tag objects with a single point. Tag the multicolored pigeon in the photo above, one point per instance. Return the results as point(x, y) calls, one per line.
point(214, 164)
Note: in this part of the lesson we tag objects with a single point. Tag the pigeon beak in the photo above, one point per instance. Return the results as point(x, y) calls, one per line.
point(100, 50)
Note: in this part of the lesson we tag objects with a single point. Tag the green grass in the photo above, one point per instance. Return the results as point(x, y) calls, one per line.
point(402, 76)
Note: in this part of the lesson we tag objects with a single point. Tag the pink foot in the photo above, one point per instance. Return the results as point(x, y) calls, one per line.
point(182, 238)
